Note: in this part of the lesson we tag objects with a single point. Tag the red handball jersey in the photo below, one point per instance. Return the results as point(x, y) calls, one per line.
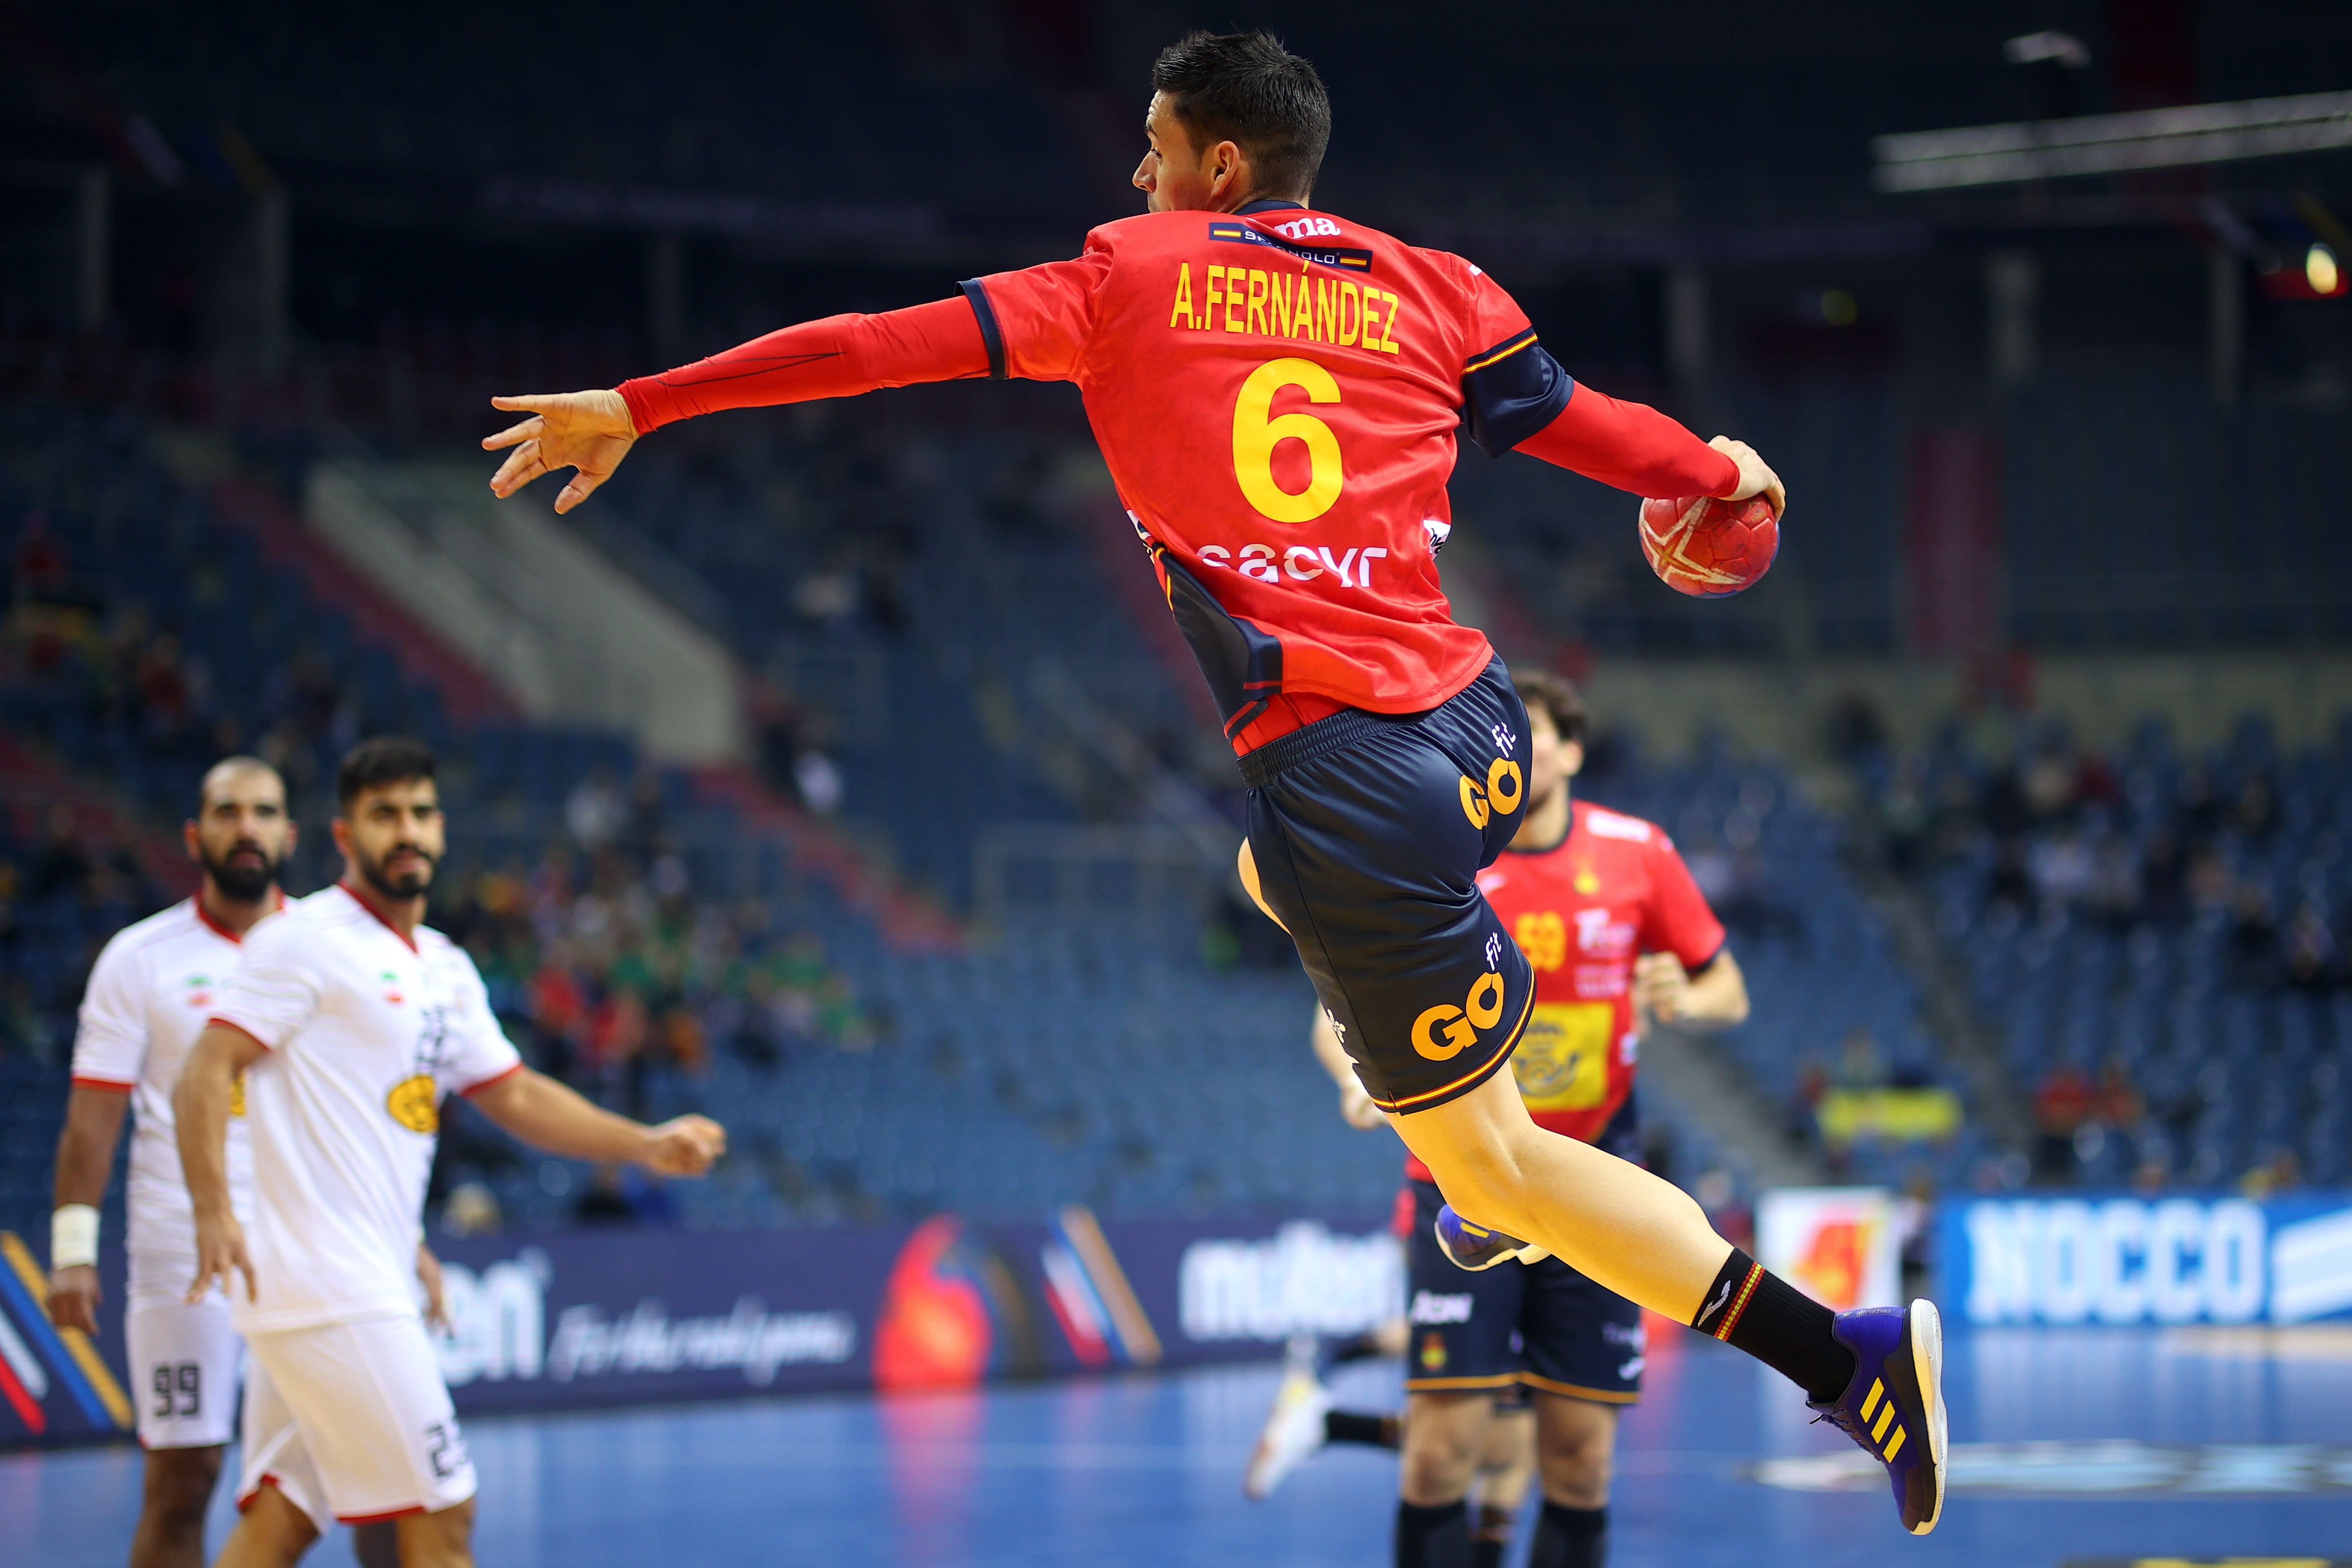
point(1276, 392)
point(1614, 889)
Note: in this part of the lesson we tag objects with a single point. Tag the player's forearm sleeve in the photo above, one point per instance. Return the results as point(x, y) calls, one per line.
point(839, 356)
point(1633, 446)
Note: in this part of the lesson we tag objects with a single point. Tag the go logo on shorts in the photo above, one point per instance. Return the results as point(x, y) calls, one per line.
point(1500, 796)
point(1445, 1031)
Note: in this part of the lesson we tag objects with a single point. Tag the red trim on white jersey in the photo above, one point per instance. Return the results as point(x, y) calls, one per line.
point(104, 1085)
point(196, 901)
point(473, 1089)
point(354, 893)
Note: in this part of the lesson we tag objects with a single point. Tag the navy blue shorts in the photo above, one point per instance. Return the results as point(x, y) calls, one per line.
point(1536, 1325)
point(1370, 831)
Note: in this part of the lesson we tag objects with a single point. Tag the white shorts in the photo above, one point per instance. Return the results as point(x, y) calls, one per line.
point(352, 1422)
point(184, 1362)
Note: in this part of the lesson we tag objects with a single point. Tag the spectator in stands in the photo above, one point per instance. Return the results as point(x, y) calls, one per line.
point(2164, 879)
point(593, 811)
point(2254, 958)
point(1860, 1064)
point(64, 865)
point(2062, 1102)
point(2312, 960)
point(1803, 1126)
point(2254, 813)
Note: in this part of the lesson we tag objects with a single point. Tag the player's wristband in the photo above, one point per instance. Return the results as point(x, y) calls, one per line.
point(73, 1237)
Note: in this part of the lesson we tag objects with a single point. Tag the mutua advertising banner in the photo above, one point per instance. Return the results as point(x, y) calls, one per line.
point(611, 1317)
point(589, 1318)
point(2123, 1260)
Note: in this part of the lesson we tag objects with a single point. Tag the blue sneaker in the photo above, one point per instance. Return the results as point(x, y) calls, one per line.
point(1895, 1406)
point(1474, 1247)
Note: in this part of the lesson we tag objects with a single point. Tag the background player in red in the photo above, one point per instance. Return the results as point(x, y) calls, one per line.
point(1276, 392)
point(1618, 935)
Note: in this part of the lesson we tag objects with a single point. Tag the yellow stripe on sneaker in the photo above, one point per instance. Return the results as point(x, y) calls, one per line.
point(1870, 1402)
point(1886, 1418)
point(1894, 1446)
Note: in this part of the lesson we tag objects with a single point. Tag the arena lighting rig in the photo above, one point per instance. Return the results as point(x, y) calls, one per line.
point(2110, 143)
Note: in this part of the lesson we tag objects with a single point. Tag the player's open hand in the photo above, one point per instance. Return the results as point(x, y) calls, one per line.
point(73, 1298)
point(588, 432)
point(220, 1256)
point(1756, 477)
point(684, 1146)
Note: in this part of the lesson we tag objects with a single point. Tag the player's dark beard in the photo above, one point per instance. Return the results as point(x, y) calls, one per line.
point(243, 881)
point(405, 886)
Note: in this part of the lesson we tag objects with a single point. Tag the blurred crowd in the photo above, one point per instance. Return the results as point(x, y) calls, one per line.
point(2068, 834)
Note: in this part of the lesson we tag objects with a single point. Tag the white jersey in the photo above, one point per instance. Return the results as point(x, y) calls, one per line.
point(367, 1032)
point(150, 993)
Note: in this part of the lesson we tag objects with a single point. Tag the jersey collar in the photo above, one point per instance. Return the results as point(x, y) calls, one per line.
point(196, 902)
point(345, 888)
point(1267, 205)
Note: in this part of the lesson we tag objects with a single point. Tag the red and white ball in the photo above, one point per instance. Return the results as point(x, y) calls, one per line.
point(1709, 548)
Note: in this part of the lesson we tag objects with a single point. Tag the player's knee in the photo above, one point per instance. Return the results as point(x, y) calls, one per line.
point(1441, 1449)
point(180, 1481)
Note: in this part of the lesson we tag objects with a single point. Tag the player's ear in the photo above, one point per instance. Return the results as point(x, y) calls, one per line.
point(1572, 758)
point(1226, 163)
point(188, 838)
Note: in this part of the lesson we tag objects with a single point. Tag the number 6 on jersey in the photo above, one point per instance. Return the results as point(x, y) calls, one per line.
point(1255, 436)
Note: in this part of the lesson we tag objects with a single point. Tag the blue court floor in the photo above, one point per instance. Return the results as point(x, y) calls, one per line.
point(2077, 1445)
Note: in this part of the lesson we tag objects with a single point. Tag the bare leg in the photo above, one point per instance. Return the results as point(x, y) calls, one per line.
point(443, 1540)
point(1608, 1219)
point(1575, 1448)
point(179, 1487)
point(1444, 1438)
point(273, 1533)
point(1508, 1463)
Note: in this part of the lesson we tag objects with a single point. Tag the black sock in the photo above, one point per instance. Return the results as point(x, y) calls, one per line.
point(1754, 1310)
point(1356, 1426)
point(1570, 1536)
point(1492, 1537)
point(1433, 1537)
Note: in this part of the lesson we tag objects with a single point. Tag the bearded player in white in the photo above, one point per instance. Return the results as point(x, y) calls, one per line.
point(350, 1020)
point(149, 994)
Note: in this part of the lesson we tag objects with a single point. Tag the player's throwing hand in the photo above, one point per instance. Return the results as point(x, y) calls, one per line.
point(684, 1146)
point(220, 1256)
point(589, 432)
point(1755, 476)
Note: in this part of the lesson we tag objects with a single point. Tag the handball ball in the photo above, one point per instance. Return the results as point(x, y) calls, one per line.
point(1709, 548)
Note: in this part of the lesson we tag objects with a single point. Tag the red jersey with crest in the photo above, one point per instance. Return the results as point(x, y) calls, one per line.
point(1613, 889)
point(1276, 393)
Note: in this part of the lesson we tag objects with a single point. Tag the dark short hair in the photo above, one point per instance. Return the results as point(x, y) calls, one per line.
point(1246, 88)
point(381, 760)
point(242, 763)
point(1556, 695)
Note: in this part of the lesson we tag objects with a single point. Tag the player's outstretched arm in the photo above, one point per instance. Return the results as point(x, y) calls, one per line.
point(839, 356)
point(200, 1106)
point(550, 1116)
point(85, 1158)
point(587, 432)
